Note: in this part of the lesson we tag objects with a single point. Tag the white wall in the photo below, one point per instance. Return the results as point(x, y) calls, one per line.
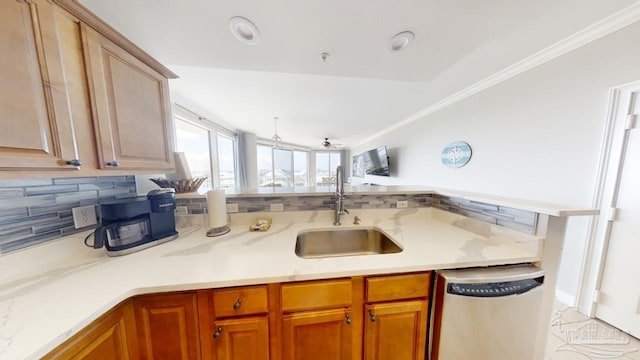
point(536, 136)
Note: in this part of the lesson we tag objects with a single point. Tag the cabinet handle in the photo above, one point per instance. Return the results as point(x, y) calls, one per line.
point(372, 316)
point(237, 305)
point(74, 162)
point(112, 164)
point(217, 334)
point(348, 318)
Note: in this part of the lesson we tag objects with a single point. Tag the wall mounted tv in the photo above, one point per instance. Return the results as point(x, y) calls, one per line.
point(376, 162)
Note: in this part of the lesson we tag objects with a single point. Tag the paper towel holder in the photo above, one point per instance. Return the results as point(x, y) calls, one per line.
point(217, 231)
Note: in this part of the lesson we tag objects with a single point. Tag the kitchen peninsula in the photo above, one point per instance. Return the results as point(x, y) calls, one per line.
point(52, 291)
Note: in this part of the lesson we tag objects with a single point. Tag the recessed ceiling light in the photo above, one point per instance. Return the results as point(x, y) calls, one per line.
point(244, 30)
point(400, 42)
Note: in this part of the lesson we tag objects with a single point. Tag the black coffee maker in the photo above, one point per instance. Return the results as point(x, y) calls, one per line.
point(130, 225)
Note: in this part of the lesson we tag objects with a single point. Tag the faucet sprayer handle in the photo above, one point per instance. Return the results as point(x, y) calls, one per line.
point(345, 210)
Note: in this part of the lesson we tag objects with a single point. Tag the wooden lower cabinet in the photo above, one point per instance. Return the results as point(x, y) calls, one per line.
point(318, 335)
point(167, 326)
point(395, 331)
point(242, 339)
point(371, 318)
point(112, 336)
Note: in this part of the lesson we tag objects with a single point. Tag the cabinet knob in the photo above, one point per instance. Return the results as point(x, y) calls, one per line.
point(216, 335)
point(348, 319)
point(372, 316)
point(74, 162)
point(237, 305)
point(112, 164)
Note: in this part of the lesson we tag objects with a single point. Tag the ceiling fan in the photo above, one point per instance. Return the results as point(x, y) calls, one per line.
point(326, 144)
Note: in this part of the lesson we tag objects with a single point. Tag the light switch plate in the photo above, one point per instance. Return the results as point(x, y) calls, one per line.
point(232, 208)
point(277, 207)
point(402, 204)
point(84, 216)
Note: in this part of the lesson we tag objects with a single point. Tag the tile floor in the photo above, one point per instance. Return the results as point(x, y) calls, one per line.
point(573, 336)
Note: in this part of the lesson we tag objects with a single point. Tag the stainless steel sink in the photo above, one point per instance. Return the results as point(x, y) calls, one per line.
point(344, 242)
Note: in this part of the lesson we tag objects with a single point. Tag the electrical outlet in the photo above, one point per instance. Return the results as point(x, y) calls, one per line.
point(232, 208)
point(402, 204)
point(182, 211)
point(277, 207)
point(84, 216)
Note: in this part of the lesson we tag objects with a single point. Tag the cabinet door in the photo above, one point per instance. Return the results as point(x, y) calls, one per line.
point(395, 331)
point(318, 335)
point(131, 108)
point(110, 337)
point(167, 326)
point(242, 339)
point(36, 130)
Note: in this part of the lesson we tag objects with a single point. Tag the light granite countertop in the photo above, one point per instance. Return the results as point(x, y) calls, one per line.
point(51, 291)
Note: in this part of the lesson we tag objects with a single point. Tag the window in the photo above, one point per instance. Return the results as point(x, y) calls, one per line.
point(326, 164)
point(265, 166)
point(193, 141)
point(226, 162)
point(281, 167)
point(210, 150)
point(300, 168)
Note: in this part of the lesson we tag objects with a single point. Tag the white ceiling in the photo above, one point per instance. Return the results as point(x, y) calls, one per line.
point(361, 89)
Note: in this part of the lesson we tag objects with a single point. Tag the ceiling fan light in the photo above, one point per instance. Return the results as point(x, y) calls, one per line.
point(400, 42)
point(244, 30)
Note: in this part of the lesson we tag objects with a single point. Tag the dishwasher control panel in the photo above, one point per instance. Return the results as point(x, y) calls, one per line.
point(494, 289)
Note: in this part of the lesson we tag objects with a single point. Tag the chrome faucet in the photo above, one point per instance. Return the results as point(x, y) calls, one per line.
point(339, 206)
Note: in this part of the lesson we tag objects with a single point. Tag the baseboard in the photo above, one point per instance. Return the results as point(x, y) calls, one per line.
point(565, 298)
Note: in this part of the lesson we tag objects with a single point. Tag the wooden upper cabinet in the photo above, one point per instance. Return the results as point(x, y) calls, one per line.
point(36, 125)
point(131, 107)
point(167, 326)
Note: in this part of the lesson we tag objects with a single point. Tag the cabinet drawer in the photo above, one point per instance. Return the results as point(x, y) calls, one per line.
point(240, 301)
point(396, 287)
point(316, 295)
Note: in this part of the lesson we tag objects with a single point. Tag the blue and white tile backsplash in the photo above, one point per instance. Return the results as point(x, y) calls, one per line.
point(37, 210)
point(520, 220)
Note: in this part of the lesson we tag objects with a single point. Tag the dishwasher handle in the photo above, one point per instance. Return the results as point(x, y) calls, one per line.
point(494, 289)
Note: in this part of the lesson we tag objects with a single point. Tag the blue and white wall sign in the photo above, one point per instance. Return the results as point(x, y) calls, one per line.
point(456, 154)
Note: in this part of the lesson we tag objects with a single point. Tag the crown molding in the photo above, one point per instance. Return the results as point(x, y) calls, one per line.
point(597, 30)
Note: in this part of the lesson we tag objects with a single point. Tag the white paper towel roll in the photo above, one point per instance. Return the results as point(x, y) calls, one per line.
point(217, 208)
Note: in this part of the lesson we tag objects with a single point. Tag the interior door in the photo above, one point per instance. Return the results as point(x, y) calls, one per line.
point(619, 299)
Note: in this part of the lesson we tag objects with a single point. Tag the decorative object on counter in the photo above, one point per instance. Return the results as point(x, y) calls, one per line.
point(217, 213)
point(181, 185)
point(262, 224)
point(457, 154)
point(130, 225)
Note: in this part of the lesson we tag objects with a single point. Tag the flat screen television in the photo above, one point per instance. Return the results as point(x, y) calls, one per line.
point(376, 162)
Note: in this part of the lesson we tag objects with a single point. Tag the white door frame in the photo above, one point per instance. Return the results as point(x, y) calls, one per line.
point(607, 180)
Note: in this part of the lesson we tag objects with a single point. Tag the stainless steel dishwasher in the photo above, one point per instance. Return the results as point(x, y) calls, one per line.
point(486, 313)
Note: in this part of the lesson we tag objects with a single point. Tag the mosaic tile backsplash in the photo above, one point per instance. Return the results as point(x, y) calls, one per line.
point(37, 210)
point(520, 220)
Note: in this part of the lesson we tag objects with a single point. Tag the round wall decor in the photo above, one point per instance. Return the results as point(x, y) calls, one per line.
point(457, 154)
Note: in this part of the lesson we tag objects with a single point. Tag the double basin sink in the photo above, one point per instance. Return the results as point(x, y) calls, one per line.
point(312, 244)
